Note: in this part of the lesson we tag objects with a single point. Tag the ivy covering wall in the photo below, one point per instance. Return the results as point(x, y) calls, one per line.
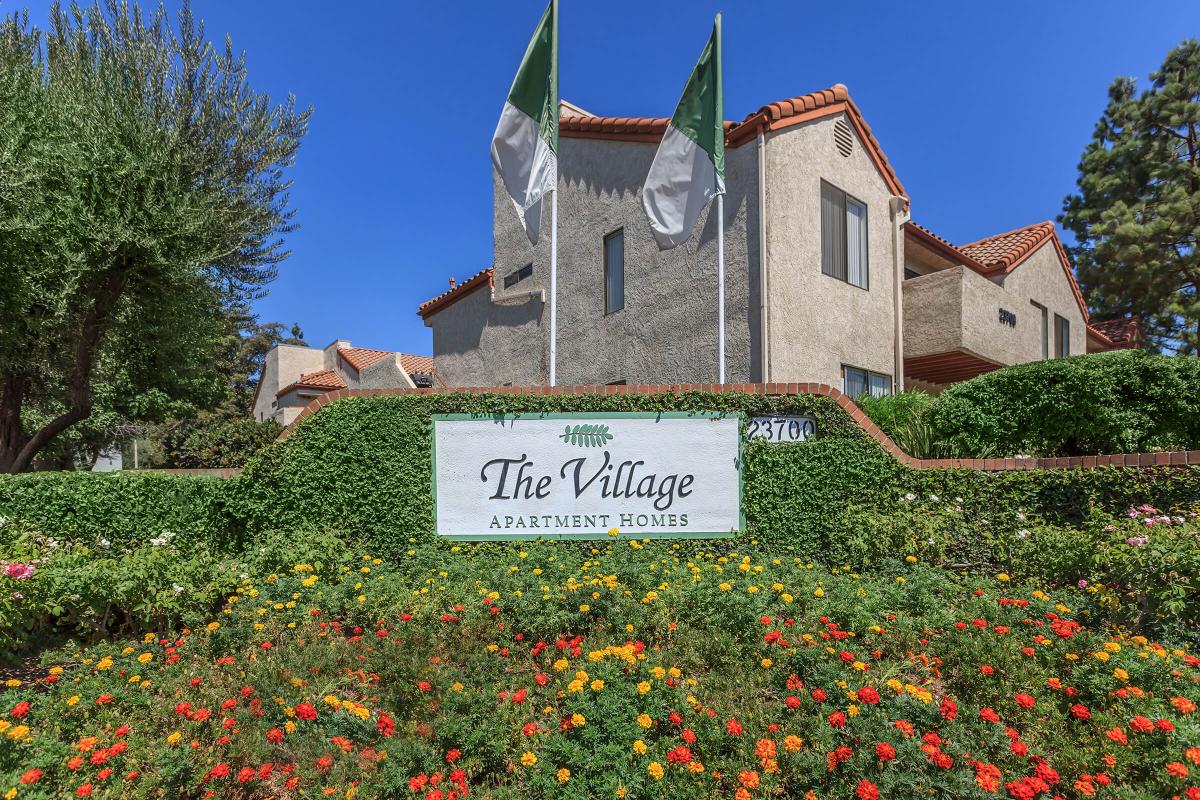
point(362, 466)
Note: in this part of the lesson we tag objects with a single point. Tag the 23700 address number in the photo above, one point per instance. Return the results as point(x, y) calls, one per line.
point(781, 429)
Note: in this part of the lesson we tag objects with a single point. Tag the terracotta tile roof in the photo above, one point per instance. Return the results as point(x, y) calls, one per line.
point(361, 357)
point(932, 241)
point(326, 379)
point(421, 365)
point(773, 116)
point(446, 298)
point(1007, 250)
point(1123, 332)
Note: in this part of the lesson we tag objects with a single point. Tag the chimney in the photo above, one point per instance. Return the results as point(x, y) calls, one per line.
point(452, 284)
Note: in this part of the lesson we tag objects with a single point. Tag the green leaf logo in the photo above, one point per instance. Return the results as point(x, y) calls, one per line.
point(586, 435)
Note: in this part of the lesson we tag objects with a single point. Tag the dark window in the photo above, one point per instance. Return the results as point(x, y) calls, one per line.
point(621, 382)
point(1062, 337)
point(518, 275)
point(844, 237)
point(857, 382)
point(1045, 315)
point(614, 271)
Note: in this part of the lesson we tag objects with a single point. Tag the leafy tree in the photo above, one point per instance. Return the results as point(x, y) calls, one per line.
point(142, 195)
point(1136, 216)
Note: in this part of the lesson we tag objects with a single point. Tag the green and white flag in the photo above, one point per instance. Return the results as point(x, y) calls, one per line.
point(689, 167)
point(525, 145)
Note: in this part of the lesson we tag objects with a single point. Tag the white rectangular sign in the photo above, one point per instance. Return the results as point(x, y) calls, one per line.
point(581, 475)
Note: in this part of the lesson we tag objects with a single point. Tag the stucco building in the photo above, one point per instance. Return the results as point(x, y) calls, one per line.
point(294, 375)
point(827, 278)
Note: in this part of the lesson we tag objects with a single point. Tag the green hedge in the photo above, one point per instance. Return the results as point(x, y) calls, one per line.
point(1125, 401)
point(123, 508)
point(362, 466)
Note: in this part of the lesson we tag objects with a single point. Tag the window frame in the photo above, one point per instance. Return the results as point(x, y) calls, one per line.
point(608, 306)
point(1062, 337)
point(866, 381)
point(838, 266)
point(1045, 312)
point(518, 275)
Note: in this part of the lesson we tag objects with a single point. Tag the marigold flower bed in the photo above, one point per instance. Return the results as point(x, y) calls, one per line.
point(627, 670)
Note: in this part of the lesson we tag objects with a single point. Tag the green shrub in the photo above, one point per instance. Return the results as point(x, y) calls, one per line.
point(904, 418)
point(213, 443)
point(121, 507)
point(1120, 402)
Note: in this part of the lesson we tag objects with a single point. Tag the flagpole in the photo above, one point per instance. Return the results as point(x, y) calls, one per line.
point(553, 279)
point(721, 288)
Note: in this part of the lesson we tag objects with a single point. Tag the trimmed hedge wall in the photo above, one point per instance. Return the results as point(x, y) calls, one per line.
point(122, 507)
point(362, 465)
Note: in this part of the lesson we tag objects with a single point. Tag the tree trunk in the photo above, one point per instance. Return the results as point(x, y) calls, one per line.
point(17, 452)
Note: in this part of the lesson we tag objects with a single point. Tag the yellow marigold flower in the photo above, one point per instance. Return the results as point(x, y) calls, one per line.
point(1120, 674)
point(792, 743)
point(18, 733)
point(56, 670)
point(575, 686)
point(674, 672)
point(644, 720)
point(639, 747)
point(622, 793)
point(563, 775)
point(1071, 657)
point(852, 711)
point(859, 666)
point(695, 767)
point(73, 699)
point(584, 608)
point(1112, 647)
point(11, 794)
point(289, 726)
point(561, 665)
point(766, 663)
point(614, 532)
point(787, 598)
point(597, 685)
point(456, 686)
point(578, 720)
point(145, 658)
point(643, 687)
point(528, 759)
point(656, 770)
point(724, 587)
point(819, 593)
point(174, 738)
point(104, 663)
point(1100, 655)
point(212, 626)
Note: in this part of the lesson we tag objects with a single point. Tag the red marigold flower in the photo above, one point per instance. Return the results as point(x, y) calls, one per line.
point(541, 679)
point(791, 701)
point(1117, 735)
point(1018, 748)
point(219, 771)
point(867, 790)
point(1177, 770)
point(680, 755)
point(452, 755)
point(84, 791)
point(733, 727)
point(948, 709)
point(324, 762)
point(104, 699)
point(675, 717)
point(885, 751)
point(306, 711)
point(275, 736)
point(74, 763)
point(1192, 754)
point(989, 714)
point(868, 695)
point(1080, 711)
point(21, 709)
point(905, 727)
point(1025, 700)
point(386, 725)
point(229, 703)
point(1164, 725)
point(837, 720)
point(31, 776)
point(988, 669)
point(245, 774)
point(1141, 725)
point(688, 736)
point(819, 695)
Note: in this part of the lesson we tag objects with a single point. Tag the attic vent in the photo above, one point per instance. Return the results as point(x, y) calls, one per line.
point(843, 138)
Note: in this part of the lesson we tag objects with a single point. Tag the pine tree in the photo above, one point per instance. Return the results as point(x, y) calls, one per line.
point(1136, 215)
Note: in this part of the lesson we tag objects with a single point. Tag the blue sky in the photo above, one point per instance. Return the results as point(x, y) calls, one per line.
point(983, 108)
